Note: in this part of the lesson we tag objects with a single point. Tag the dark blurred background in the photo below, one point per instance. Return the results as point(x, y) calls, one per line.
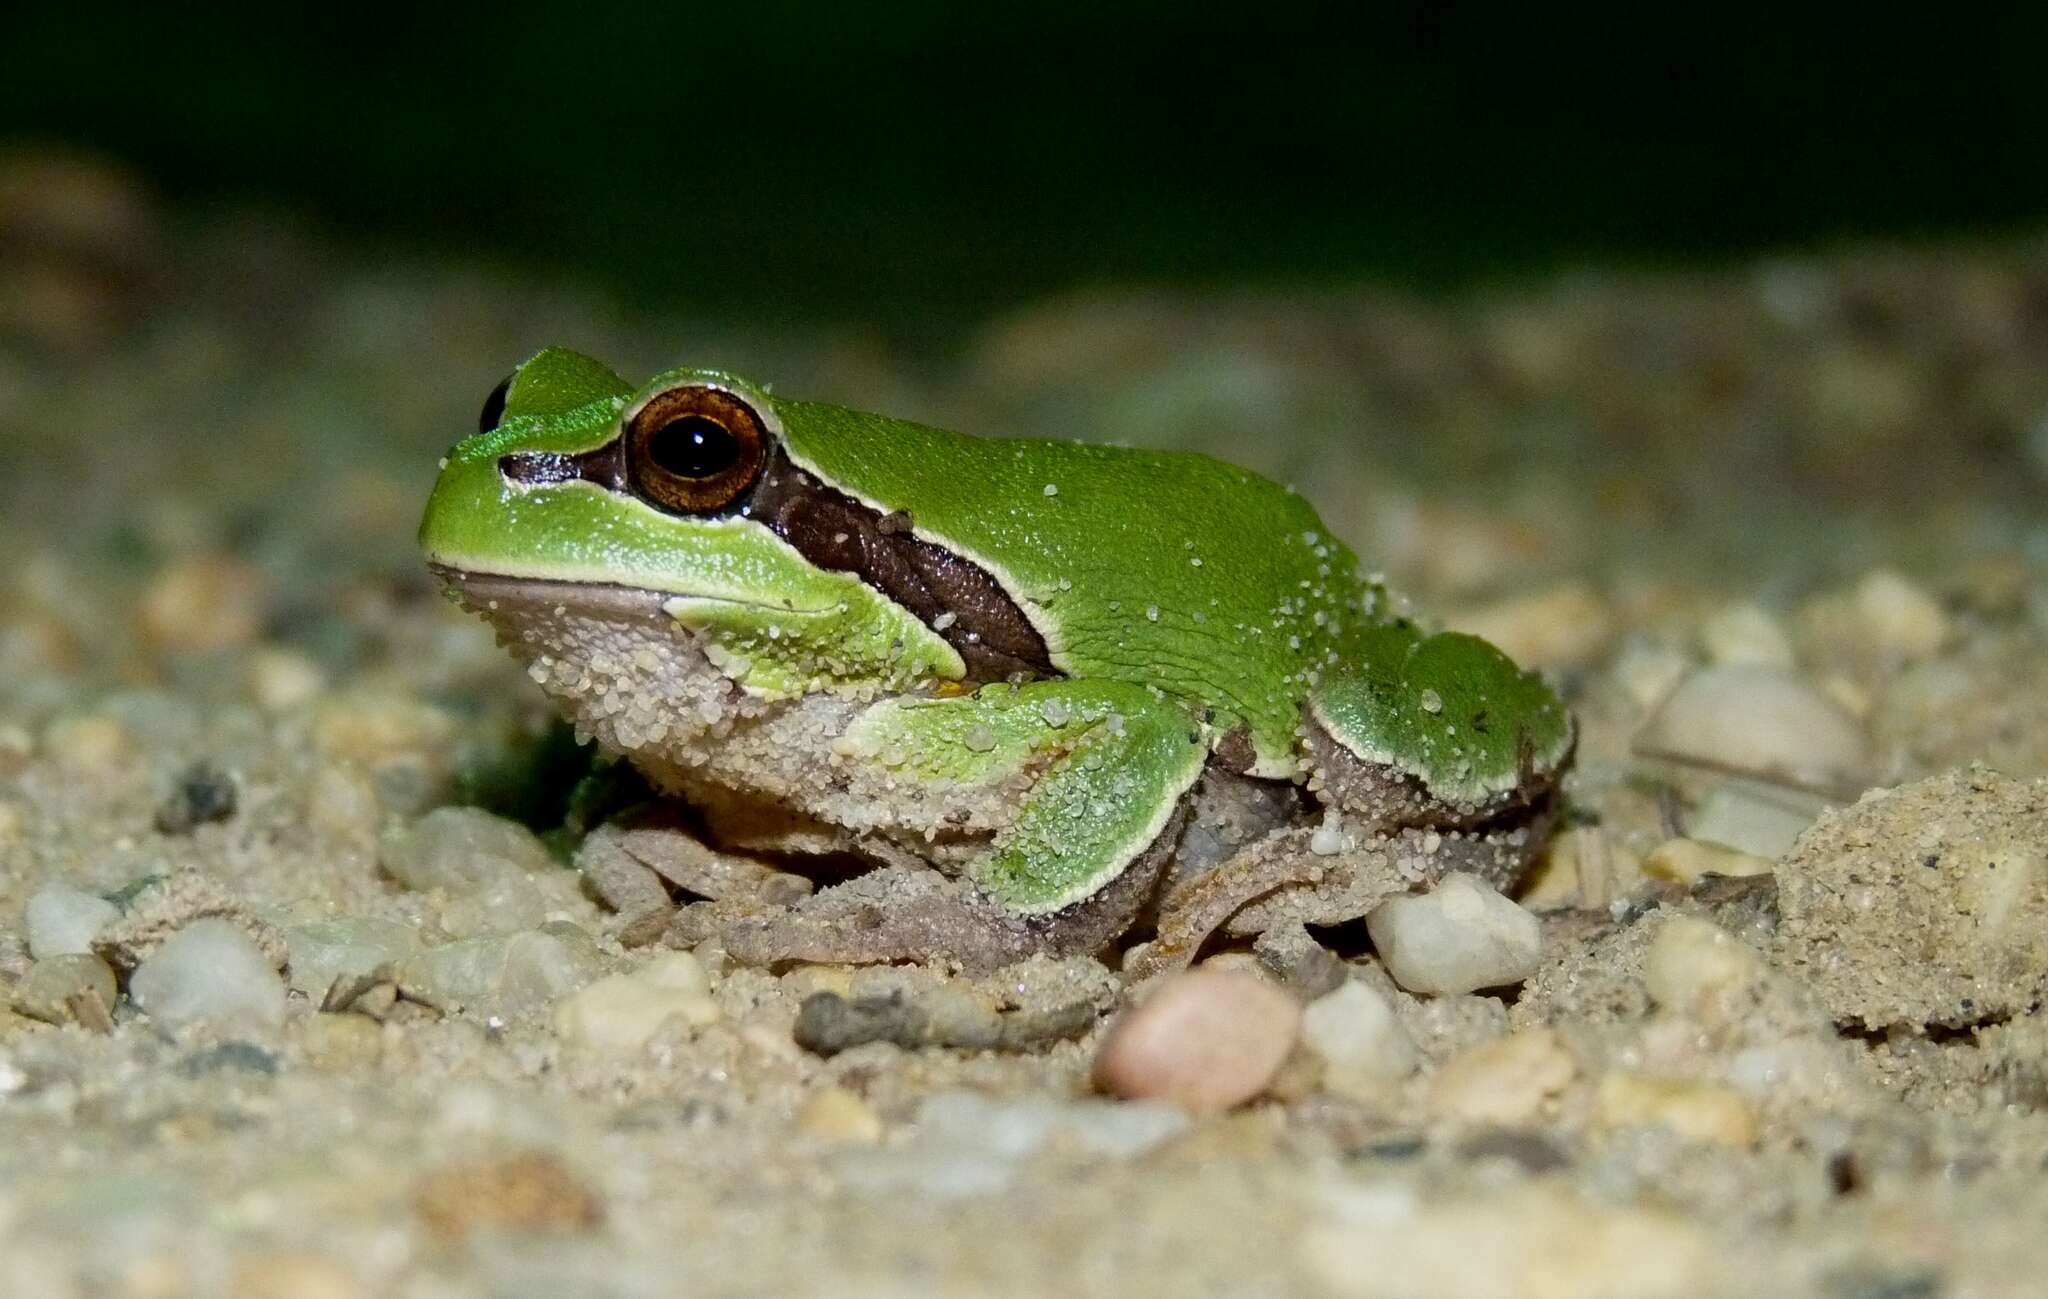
point(916, 164)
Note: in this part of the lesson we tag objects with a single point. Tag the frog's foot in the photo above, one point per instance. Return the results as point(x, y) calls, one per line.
point(1440, 734)
point(901, 913)
point(640, 863)
point(1197, 907)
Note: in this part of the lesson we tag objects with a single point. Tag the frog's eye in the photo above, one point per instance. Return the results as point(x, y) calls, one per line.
point(494, 405)
point(693, 449)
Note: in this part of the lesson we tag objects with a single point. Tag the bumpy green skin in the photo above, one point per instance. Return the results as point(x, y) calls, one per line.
point(1182, 598)
point(1449, 710)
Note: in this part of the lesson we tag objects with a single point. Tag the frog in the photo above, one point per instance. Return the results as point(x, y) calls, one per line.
point(1017, 692)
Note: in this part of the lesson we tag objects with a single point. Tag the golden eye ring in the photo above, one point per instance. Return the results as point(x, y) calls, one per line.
point(694, 449)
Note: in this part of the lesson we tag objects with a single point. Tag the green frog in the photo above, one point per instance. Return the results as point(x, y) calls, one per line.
point(1017, 675)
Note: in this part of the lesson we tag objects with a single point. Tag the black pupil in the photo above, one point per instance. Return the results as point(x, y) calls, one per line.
point(693, 447)
point(494, 406)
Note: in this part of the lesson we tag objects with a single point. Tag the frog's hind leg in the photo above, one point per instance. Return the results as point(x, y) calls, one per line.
point(1104, 770)
point(901, 913)
point(1441, 738)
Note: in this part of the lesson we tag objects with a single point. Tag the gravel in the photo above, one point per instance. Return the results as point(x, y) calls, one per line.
point(209, 972)
point(64, 921)
point(1205, 1040)
point(1458, 937)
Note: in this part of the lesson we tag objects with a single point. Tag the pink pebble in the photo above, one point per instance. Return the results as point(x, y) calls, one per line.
point(1205, 1040)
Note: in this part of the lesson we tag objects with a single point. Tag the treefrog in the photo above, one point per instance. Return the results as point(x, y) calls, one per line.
point(1041, 667)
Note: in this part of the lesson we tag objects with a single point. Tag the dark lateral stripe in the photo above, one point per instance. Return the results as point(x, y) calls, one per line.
point(836, 532)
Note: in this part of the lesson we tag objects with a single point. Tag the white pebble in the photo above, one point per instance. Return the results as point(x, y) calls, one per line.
point(1755, 719)
point(1899, 617)
point(211, 971)
point(1363, 1046)
point(1459, 937)
point(621, 1013)
point(1746, 634)
point(1762, 822)
point(1697, 968)
point(63, 921)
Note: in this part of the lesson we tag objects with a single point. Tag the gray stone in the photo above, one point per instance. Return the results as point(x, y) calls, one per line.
point(58, 989)
point(63, 921)
point(212, 972)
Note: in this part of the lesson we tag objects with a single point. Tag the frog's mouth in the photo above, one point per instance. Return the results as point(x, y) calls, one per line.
point(497, 595)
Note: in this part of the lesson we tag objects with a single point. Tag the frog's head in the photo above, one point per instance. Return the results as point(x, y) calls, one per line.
point(579, 492)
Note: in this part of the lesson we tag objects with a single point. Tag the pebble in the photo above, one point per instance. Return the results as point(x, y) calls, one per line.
point(63, 921)
point(340, 1042)
point(1758, 720)
point(53, 989)
point(838, 1116)
point(210, 971)
point(1688, 861)
point(503, 974)
point(1746, 635)
point(1697, 1111)
point(1508, 1081)
point(1458, 937)
point(1760, 822)
point(1696, 968)
point(374, 729)
point(1649, 670)
point(621, 1013)
point(323, 951)
point(947, 1014)
point(91, 743)
point(203, 793)
point(1363, 1048)
point(483, 865)
point(1900, 618)
point(281, 680)
point(1204, 1040)
point(203, 603)
point(1560, 628)
point(342, 804)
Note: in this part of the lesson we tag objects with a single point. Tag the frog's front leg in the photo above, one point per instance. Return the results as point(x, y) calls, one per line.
point(1104, 770)
point(1422, 735)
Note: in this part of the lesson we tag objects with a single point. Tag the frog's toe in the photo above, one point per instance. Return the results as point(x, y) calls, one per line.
point(887, 915)
point(907, 913)
point(1500, 852)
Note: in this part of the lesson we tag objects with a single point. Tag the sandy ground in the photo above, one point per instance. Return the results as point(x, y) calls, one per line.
point(1774, 528)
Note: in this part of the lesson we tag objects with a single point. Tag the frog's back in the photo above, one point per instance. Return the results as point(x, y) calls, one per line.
point(1168, 569)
